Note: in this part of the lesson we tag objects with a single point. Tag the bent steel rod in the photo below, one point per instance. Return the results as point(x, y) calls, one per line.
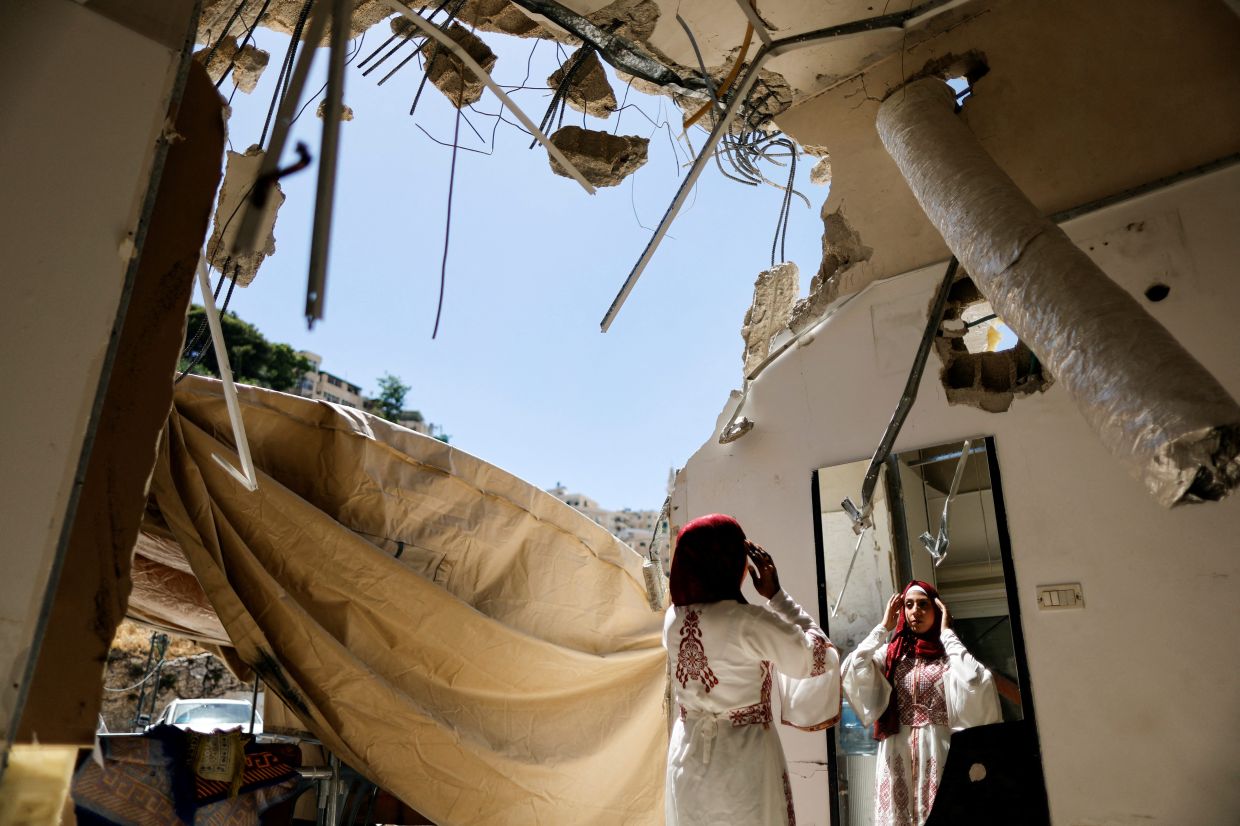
point(861, 516)
point(768, 51)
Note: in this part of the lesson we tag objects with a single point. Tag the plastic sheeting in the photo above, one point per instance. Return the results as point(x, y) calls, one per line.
point(1153, 404)
point(459, 636)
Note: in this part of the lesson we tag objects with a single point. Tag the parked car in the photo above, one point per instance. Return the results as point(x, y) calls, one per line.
point(209, 715)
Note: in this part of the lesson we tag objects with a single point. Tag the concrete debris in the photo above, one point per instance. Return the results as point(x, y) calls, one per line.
point(346, 113)
point(219, 61)
point(590, 92)
point(603, 158)
point(281, 17)
point(988, 381)
point(448, 73)
point(499, 16)
point(774, 294)
point(821, 173)
point(631, 19)
point(239, 176)
point(248, 67)
point(841, 250)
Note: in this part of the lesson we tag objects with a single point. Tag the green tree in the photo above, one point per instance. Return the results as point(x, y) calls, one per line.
point(254, 359)
point(391, 399)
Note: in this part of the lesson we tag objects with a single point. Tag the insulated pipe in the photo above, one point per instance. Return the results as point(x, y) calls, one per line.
point(1154, 406)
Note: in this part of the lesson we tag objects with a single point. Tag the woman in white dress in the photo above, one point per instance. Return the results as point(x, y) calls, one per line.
point(916, 688)
point(725, 764)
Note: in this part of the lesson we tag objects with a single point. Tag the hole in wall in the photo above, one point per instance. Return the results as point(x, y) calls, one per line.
point(985, 364)
point(1157, 292)
point(984, 331)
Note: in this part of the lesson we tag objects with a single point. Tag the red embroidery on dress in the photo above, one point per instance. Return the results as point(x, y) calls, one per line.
point(691, 662)
point(792, 815)
point(821, 644)
point(930, 784)
point(760, 712)
point(919, 692)
point(894, 806)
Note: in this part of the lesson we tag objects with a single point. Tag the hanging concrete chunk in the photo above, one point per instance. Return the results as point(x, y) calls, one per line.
point(603, 158)
point(589, 91)
point(821, 173)
point(448, 72)
point(346, 113)
point(1153, 405)
point(223, 55)
point(239, 176)
point(248, 67)
point(774, 293)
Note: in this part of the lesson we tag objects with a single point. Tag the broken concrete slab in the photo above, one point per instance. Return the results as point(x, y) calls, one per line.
point(239, 176)
point(631, 19)
point(346, 113)
point(589, 90)
point(248, 67)
point(841, 251)
point(604, 159)
point(449, 74)
point(220, 60)
point(774, 293)
point(498, 16)
point(281, 16)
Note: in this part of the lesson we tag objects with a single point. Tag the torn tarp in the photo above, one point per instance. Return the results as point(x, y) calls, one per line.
point(458, 635)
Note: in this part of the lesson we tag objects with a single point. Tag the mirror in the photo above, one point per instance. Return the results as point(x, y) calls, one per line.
point(973, 578)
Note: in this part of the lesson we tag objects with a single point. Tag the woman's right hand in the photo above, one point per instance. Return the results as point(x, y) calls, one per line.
point(763, 573)
point(893, 612)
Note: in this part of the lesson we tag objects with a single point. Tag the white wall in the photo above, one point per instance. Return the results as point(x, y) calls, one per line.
point(1136, 695)
point(83, 101)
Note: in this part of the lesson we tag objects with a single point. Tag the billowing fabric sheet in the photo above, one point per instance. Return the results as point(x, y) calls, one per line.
point(461, 637)
point(1154, 406)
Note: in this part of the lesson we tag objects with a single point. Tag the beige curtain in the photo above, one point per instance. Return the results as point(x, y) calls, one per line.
point(461, 637)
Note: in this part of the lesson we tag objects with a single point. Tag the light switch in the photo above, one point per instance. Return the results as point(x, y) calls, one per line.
point(1059, 597)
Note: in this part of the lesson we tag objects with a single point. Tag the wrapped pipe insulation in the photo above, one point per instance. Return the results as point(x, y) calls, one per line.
point(1153, 405)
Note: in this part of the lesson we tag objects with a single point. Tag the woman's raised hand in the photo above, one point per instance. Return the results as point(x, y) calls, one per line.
point(762, 570)
point(893, 612)
point(947, 617)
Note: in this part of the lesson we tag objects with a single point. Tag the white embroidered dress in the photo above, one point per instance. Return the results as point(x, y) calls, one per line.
point(725, 763)
point(936, 697)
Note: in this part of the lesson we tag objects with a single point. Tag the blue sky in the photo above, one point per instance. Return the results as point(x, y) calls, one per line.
point(520, 375)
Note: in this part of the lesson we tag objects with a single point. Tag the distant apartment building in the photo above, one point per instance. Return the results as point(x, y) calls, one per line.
point(317, 383)
point(634, 528)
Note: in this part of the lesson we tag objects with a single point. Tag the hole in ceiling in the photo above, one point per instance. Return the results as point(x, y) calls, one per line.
point(962, 88)
point(1157, 292)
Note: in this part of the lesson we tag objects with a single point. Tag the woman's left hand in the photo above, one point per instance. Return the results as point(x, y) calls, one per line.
point(762, 571)
point(947, 617)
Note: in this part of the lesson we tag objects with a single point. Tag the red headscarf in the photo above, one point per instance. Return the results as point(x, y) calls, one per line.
point(709, 561)
point(907, 643)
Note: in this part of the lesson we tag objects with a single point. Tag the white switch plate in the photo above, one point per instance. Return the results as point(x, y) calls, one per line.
point(1060, 597)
